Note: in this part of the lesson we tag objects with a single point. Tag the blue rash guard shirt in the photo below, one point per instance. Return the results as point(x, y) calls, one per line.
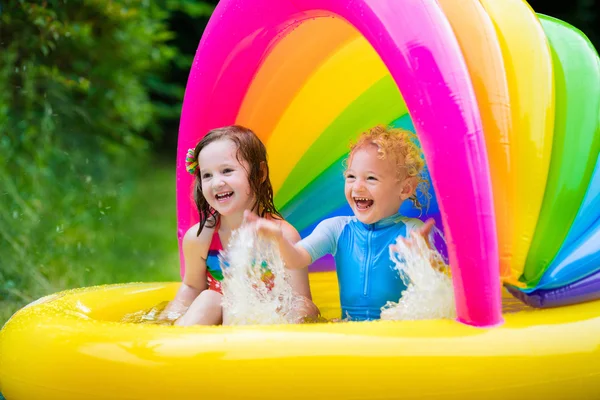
point(366, 275)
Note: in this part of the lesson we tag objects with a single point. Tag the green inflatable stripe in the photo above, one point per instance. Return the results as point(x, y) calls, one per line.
point(306, 208)
point(303, 210)
point(576, 142)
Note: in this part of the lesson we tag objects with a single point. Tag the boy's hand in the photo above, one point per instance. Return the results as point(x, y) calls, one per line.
point(263, 226)
point(423, 231)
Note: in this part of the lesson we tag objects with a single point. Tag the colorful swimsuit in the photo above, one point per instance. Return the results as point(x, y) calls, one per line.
point(365, 272)
point(214, 275)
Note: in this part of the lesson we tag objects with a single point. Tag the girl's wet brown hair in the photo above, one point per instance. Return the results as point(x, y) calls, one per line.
point(249, 149)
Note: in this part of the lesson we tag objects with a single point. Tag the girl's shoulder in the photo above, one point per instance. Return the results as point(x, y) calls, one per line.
point(192, 237)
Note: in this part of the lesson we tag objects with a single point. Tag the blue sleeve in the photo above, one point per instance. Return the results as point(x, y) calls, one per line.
point(323, 240)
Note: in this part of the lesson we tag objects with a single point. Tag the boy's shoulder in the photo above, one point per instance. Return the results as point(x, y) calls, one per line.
point(411, 223)
point(339, 221)
point(341, 218)
point(334, 224)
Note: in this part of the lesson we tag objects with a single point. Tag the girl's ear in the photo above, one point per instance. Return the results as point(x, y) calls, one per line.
point(408, 187)
point(263, 172)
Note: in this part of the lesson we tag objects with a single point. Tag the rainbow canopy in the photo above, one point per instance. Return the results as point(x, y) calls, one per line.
point(505, 104)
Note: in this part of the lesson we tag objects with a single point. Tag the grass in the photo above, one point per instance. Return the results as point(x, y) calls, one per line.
point(136, 242)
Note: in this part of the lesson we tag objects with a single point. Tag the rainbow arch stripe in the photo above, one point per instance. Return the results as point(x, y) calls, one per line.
point(497, 134)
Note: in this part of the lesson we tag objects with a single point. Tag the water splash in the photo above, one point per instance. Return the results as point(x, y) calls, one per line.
point(256, 288)
point(429, 293)
point(152, 316)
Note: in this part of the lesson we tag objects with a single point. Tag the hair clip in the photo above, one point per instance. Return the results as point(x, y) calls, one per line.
point(191, 164)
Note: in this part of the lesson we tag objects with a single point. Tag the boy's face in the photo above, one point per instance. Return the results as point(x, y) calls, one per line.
point(373, 189)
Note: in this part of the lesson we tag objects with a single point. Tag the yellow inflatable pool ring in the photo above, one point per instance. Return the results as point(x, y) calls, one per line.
point(71, 346)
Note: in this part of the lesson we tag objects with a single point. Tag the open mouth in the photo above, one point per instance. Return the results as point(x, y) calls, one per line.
point(362, 203)
point(223, 196)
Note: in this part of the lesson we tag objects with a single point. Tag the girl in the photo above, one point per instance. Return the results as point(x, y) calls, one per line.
point(232, 175)
point(384, 169)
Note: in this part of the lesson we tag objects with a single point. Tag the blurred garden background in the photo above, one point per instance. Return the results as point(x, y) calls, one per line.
point(90, 98)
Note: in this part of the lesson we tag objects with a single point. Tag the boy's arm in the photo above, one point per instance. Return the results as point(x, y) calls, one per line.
point(323, 240)
point(294, 255)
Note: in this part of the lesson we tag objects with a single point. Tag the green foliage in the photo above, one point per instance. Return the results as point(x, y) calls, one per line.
point(132, 239)
point(83, 94)
point(586, 19)
point(582, 14)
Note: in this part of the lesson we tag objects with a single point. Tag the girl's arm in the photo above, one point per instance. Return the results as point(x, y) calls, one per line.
point(195, 250)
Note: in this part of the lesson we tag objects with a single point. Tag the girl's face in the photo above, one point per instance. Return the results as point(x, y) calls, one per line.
point(372, 188)
point(224, 179)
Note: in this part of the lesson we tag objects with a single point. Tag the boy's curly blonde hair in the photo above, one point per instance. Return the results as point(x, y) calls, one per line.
point(402, 146)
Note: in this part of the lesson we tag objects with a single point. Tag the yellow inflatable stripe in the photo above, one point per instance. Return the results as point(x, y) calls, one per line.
point(339, 81)
point(288, 66)
point(528, 65)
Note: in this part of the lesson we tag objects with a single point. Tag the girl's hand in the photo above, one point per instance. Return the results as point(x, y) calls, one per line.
point(264, 226)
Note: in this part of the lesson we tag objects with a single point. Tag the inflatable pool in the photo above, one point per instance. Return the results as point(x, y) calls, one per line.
point(71, 346)
point(506, 106)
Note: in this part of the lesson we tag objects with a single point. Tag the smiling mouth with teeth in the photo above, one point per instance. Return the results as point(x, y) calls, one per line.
point(223, 196)
point(362, 203)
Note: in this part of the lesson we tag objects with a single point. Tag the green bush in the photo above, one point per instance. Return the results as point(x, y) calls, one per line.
point(82, 97)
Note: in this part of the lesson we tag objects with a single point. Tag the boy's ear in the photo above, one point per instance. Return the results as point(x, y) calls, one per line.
point(408, 187)
point(263, 172)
